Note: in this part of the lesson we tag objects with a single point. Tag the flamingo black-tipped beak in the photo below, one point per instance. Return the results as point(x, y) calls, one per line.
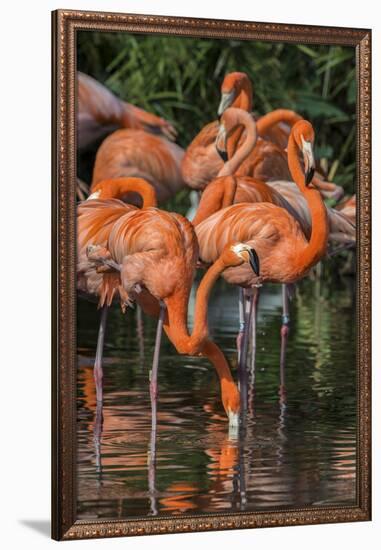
point(309, 175)
point(223, 154)
point(254, 261)
point(309, 161)
point(220, 143)
point(227, 99)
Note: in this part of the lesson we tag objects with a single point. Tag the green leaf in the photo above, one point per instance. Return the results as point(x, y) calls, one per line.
point(310, 52)
point(316, 106)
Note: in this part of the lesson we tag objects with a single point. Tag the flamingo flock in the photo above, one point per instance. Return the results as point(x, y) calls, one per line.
point(260, 217)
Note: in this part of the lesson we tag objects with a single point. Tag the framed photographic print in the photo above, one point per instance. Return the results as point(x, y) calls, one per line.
point(211, 274)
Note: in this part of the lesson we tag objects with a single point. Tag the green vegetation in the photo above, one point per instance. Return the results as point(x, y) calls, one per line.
point(179, 79)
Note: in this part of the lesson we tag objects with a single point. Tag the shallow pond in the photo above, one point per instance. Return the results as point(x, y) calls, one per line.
point(297, 448)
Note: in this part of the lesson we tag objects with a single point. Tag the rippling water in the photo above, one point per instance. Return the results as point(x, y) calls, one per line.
point(298, 447)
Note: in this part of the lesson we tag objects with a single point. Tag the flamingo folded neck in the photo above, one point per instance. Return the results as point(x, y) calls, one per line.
point(177, 312)
point(198, 342)
point(237, 156)
point(242, 101)
point(217, 195)
point(266, 122)
point(117, 188)
point(316, 247)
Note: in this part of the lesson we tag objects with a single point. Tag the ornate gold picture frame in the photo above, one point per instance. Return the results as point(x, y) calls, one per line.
point(66, 524)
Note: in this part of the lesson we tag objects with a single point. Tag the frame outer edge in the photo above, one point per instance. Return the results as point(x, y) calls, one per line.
point(65, 25)
point(63, 264)
point(55, 433)
point(364, 272)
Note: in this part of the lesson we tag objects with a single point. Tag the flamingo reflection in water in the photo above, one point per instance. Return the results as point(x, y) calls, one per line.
point(228, 471)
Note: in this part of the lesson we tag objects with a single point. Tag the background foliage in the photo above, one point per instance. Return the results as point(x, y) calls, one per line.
point(179, 79)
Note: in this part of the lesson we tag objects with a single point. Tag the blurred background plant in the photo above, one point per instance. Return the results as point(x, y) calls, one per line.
point(180, 78)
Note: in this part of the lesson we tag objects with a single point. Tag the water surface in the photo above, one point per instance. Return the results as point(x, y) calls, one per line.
point(298, 447)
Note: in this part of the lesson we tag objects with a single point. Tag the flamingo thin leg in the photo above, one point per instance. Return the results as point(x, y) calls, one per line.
point(153, 394)
point(241, 312)
point(242, 465)
point(155, 366)
point(285, 306)
point(98, 426)
point(284, 331)
point(255, 300)
point(242, 370)
point(98, 369)
point(140, 332)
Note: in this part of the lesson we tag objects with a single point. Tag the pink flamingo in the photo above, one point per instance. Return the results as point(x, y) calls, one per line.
point(285, 254)
point(100, 113)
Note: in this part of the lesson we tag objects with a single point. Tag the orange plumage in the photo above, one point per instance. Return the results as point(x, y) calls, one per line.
point(201, 163)
point(135, 153)
point(100, 112)
point(342, 228)
point(284, 252)
point(126, 189)
point(229, 189)
point(95, 219)
point(157, 252)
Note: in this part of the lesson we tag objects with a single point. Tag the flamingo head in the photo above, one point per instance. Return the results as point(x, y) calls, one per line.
point(231, 119)
point(221, 142)
point(304, 137)
point(237, 254)
point(234, 86)
point(231, 401)
point(102, 190)
point(120, 188)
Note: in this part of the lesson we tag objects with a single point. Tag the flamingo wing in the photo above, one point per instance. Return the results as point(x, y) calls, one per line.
point(201, 162)
point(341, 228)
point(95, 219)
point(157, 249)
point(266, 162)
point(100, 112)
point(269, 229)
point(135, 153)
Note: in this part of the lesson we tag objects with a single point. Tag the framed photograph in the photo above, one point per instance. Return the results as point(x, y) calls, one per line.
point(211, 274)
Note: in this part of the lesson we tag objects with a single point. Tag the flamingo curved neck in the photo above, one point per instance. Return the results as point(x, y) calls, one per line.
point(317, 245)
point(117, 188)
point(177, 310)
point(266, 122)
point(198, 343)
point(217, 195)
point(239, 155)
point(242, 101)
